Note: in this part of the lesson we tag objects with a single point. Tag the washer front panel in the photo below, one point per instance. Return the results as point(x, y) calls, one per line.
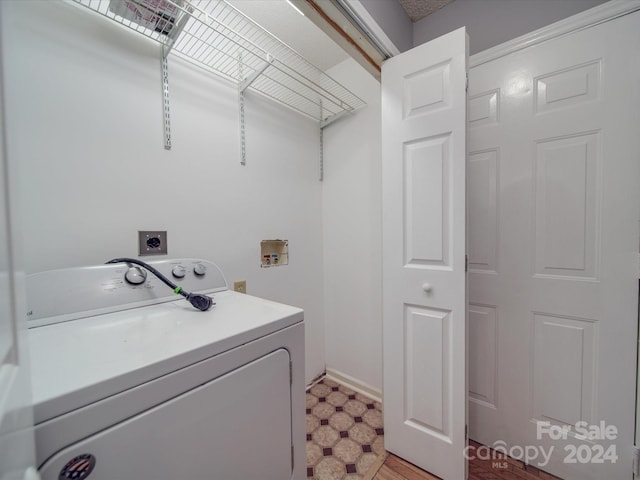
point(235, 427)
point(58, 433)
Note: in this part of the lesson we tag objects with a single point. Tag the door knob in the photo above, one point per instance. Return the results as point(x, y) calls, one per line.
point(427, 287)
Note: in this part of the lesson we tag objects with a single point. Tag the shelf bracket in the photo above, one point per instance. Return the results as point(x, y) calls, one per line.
point(246, 82)
point(321, 145)
point(165, 104)
point(243, 144)
point(242, 86)
point(166, 48)
point(323, 124)
point(329, 120)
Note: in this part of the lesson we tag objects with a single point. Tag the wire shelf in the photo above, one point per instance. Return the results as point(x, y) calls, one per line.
point(216, 36)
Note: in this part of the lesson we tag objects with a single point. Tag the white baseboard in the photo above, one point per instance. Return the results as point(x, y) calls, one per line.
point(354, 384)
point(316, 379)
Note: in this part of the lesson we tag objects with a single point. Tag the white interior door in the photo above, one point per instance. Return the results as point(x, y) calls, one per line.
point(423, 172)
point(554, 205)
point(17, 451)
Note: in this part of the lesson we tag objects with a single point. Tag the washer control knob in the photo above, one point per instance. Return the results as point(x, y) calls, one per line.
point(135, 275)
point(199, 269)
point(178, 271)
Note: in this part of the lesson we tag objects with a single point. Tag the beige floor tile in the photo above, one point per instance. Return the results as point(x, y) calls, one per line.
point(344, 433)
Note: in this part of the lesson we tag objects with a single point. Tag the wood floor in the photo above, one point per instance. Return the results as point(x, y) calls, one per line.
point(504, 468)
point(395, 468)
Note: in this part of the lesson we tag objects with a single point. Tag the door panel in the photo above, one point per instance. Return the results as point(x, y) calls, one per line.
point(482, 351)
point(422, 325)
point(424, 150)
point(482, 202)
point(426, 202)
point(553, 241)
point(563, 362)
point(567, 199)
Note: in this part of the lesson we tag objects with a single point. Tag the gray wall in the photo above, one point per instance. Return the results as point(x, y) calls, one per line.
point(492, 22)
point(393, 20)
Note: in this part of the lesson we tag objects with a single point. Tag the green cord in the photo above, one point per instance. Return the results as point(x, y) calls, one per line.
point(177, 290)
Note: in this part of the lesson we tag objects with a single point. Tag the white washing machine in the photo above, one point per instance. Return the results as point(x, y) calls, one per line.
point(131, 382)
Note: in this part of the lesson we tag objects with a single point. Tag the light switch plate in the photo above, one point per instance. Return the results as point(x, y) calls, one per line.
point(152, 242)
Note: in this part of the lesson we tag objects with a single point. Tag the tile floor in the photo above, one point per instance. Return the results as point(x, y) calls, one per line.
point(344, 432)
point(345, 441)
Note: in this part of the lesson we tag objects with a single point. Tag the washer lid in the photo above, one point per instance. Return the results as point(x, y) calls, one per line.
point(79, 362)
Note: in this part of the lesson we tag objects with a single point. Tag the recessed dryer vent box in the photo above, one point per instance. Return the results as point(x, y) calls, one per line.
point(152, 242)
point(274, 253)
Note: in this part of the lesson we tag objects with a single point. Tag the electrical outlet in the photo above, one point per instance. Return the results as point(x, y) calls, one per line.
point(240, 286)
point(152, 242)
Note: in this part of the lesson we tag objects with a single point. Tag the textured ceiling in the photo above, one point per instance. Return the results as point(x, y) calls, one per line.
point(418, 9)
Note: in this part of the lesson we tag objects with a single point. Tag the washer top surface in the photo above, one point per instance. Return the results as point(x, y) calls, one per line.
point(78, 362)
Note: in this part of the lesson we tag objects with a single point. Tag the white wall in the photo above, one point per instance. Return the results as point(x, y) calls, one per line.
point(492, 22)
point(84, 122)
point(352, 234)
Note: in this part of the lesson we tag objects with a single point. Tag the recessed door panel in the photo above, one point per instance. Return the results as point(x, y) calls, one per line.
point(483, 354)
point(567, 205)
point(484, 109)
point(483, 210)
point(567, 88)
point(426, 201)
point(428, 366)
point(563, 369)
point(427, 90)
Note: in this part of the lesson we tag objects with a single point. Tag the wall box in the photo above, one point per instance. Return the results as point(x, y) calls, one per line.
point(274, 253)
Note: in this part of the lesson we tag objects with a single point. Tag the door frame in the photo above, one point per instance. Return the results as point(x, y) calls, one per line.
point(16, 411)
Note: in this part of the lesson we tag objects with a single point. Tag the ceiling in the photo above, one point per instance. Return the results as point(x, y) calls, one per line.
point(418, 9)
point(303, 36)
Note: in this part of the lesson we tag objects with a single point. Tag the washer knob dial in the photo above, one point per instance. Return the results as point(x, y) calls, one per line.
point(178, 271)
point(135, 275)
point(199, 269)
